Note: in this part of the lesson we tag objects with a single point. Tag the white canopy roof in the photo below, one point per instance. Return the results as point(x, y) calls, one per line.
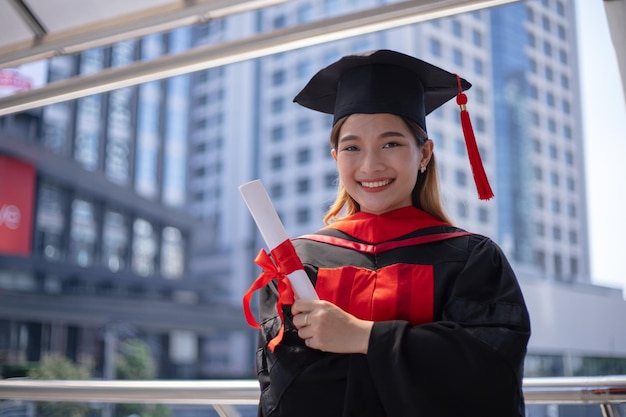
point(31, 30)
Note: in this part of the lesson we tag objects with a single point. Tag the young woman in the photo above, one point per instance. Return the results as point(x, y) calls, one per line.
point(416, 317)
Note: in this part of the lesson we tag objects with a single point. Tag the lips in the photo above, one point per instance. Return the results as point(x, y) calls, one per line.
point(375, 184)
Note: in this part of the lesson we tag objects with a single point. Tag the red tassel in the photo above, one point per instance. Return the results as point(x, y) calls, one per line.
point(478, 170)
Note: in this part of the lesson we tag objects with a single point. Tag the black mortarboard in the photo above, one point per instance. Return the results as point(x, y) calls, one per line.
point(380, 81)
point(384, 81)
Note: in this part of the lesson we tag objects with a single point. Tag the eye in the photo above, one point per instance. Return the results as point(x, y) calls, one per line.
point(391, 145)
point(350, 148)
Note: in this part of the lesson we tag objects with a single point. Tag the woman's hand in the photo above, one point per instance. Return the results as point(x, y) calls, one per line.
point(326, 327)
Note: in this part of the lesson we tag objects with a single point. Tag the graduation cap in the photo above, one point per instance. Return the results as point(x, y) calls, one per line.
point(384, 81)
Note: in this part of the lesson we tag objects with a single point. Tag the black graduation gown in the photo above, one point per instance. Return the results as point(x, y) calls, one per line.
point(450, 332)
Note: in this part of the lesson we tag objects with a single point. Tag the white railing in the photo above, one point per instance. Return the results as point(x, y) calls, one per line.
point(606, 391)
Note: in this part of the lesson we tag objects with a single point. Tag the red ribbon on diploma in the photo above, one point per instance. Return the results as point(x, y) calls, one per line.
point(285, 261)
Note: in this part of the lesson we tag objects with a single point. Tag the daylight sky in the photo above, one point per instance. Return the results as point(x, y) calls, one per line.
point(604, 120)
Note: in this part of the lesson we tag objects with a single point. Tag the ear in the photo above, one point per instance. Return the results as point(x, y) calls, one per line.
point(333, 152)
point(427, 152)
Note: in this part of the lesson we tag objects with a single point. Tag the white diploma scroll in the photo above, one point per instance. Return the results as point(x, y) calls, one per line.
point(273, 232)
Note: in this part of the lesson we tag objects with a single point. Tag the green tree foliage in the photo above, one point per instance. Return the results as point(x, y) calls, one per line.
point(58, 367)
point(135, 362)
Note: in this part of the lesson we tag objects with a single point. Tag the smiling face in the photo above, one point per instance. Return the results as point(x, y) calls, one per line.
point(378, 159)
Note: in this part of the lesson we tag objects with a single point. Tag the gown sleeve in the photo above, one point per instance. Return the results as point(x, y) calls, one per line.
point(467, 362)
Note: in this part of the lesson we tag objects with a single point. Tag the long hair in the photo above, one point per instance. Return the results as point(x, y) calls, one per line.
point(425, 195)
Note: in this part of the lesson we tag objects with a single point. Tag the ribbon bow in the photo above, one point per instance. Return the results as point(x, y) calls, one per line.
point(285, 261)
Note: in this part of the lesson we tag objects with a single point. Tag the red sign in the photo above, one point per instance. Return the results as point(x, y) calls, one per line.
point(17, 193)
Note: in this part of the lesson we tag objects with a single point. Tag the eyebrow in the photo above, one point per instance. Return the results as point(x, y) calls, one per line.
point(389, 134)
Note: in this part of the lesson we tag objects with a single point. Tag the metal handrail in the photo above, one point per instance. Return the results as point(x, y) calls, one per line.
point(604, 391)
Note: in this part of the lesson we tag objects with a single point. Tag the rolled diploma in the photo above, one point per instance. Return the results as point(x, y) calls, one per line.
point(273, 232)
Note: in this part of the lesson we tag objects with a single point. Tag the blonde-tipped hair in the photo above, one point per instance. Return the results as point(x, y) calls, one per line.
point(426, 194)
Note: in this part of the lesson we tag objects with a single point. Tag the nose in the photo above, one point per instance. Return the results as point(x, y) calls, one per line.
point(372, 162)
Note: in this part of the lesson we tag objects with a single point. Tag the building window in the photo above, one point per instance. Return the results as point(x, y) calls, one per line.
point(172, 253)
point(478, 66)
point(279, 22)
point(303, 216)
point(565, 81)
point(303, 186)
point(461, 178)
point(569, 158)
point(459, 147)
point(87, 139)
point(538, 173)
point(556, 233)
point(547, 48)
point(556, 206)
point(573, 266)
point(550, 99)
point(571, 210)
point(278, 105)
point(483, 215)
point(477, 38)
point(571, 184)
point(331, 6)
point(558, 265)
point(457, 29)
point(567, 132)
point(115, 239)
point(551, 125)
point(549, 74)
point(117, 164)
point(479, 95)
point(51, 221)
point(277, 162)
point(83, 233)
point(540, 260)
point(461, 209)
point(553, 152)
point(554, 179)
point(276, 191)
point(303, 156)
point(144, 249)
point(573, 237)
point(277, 133)
point(304, 69)
point(278, 77)
point(565, 106)
point(305, 13)
point(435, 47)
point(563, 56)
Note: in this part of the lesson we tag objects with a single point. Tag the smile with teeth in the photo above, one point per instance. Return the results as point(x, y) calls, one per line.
point(375, 184)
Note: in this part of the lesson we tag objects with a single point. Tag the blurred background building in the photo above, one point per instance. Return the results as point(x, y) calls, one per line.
point(136, 227)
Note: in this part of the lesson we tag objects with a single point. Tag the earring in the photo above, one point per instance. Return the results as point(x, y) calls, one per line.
point(423, 168)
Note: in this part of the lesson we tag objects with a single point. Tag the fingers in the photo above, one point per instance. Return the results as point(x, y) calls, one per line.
point(302, 320)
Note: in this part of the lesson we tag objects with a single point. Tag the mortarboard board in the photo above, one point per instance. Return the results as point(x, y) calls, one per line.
point(380, 81)
point(385, 81)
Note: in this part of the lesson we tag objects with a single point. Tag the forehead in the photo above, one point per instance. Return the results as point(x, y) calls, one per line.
point(373, 123)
